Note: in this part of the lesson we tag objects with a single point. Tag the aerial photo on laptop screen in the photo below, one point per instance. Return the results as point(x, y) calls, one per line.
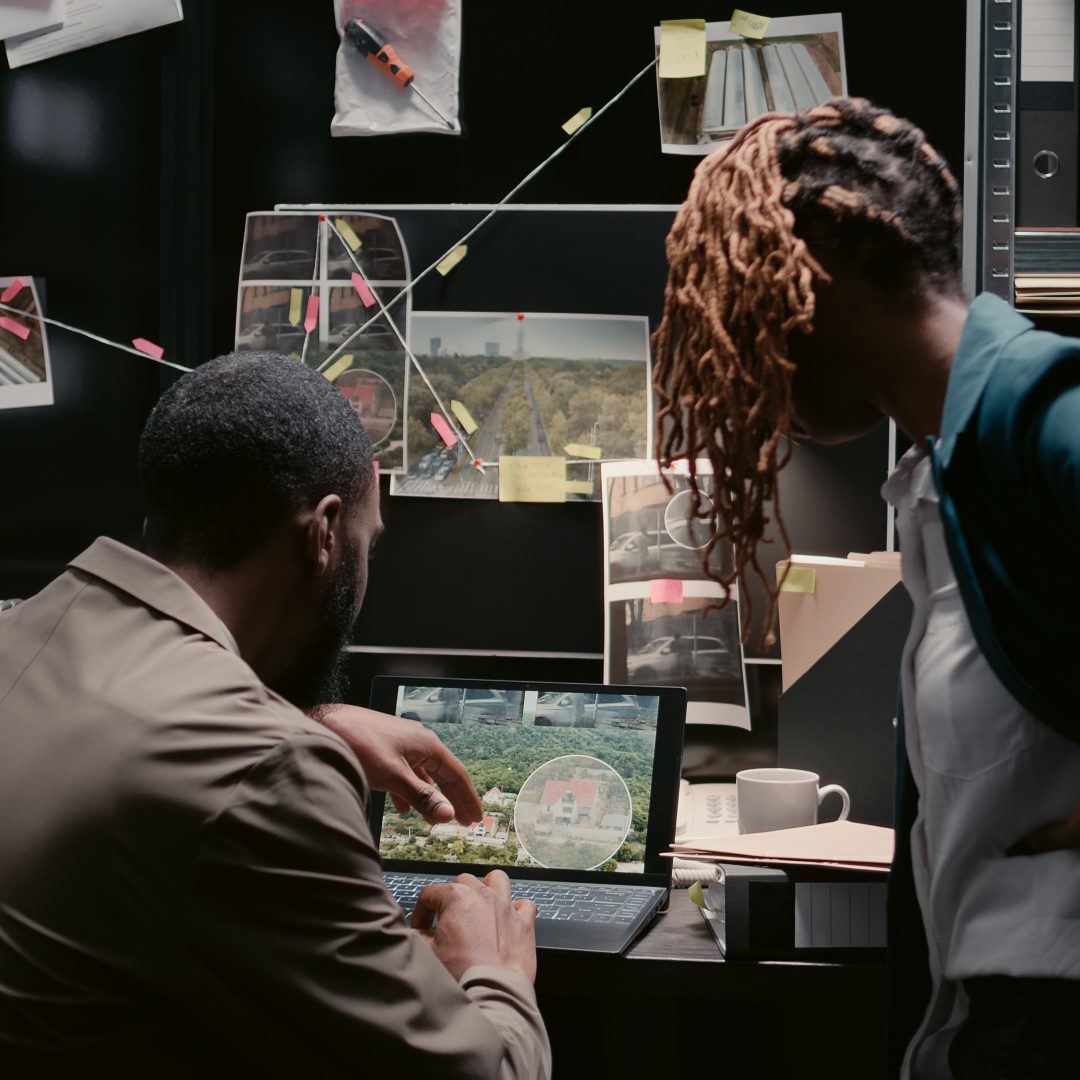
point(564, 778)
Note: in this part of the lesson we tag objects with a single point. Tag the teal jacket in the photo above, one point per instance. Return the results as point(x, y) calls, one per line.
point(1008, 478)
point(1007, 472)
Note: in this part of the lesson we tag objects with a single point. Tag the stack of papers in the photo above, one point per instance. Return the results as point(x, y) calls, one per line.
point(844, 844)
point(1047, 269)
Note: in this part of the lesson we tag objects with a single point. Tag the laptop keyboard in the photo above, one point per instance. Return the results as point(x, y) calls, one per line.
point(618, 904)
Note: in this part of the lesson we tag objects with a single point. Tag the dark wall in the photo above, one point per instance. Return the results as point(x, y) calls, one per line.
point(128, 169)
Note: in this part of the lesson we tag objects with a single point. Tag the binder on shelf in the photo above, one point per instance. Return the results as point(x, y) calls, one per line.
point(1048, 115)
point(760, 913)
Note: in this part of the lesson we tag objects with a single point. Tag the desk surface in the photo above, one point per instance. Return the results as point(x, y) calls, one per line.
point(678, 957)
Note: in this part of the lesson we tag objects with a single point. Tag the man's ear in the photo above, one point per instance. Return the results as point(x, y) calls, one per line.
point(322, 532)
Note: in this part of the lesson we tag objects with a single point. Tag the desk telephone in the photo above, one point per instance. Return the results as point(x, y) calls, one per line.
point(706, 810)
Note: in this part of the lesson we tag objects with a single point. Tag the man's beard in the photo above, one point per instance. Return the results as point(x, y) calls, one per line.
point(319, 677)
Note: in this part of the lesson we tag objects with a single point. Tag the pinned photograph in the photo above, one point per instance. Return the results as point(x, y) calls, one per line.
point(691, 644)
point(797, 64)
point(535, 385)
point(25, 368)
point(280, 247)
point(367, 363)
point(651, 533)
point(665, 625)
point(313, 289)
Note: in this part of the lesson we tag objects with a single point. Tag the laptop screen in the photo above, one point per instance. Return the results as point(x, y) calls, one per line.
point(573, 780)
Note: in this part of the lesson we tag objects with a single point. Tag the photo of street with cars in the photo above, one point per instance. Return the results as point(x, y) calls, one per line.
point(534, 384)
point(684, 644)
point(651, 533)
point(25, 369)
point(605, 744)
point(369, 367)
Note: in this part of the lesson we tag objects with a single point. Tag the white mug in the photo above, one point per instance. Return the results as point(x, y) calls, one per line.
point(782, 799)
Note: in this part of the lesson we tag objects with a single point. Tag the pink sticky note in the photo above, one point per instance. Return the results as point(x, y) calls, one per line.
point(312, 316)
point(446, 432)
point(367, 297)
point(21, 330)
point(665, 591)
point(12, 291)
point(148, 347)
point(376, 464)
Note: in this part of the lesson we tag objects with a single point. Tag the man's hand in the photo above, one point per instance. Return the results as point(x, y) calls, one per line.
point(478, 923)
point(408, 762)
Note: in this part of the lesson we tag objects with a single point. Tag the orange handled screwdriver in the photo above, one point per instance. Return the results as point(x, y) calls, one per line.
point(382, 54)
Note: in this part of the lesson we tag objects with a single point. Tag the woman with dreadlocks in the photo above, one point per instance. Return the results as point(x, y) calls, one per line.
point(815, 288)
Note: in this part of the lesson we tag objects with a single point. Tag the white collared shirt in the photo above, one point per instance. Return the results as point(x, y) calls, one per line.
point(988, 772)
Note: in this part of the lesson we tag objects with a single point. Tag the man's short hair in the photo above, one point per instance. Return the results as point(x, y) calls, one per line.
point(237, 446)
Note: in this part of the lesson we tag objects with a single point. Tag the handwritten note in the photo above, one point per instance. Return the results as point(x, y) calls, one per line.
point(13, 327)
point(464, 417)
point(347, 233)
point(12, 291)
point(367, 297)
point(682, 48)
point(311, 319)
point(666, 591)
point(446, 432)
point(148, 347)
point(296, 299)
point(339, 367)
point(446, 265)
point(750, 26)
point(576, 449)
point(532, 479)
point(577, 120)
point(799, 579)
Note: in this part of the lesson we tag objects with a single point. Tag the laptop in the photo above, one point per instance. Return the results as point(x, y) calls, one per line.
point(578, 785)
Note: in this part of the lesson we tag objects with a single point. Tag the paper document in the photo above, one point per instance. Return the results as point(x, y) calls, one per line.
point(91, 22)
point(18, 17)
point(833, 842)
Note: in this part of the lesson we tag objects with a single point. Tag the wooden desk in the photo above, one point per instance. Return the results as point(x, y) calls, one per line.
point(673, 1003)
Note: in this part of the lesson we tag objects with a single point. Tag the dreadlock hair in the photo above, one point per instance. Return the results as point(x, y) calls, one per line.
point(845, 177)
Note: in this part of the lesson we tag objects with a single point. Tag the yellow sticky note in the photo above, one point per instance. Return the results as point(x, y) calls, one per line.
point(751, 26)
point(577, 120)
point(347, 233)
point(579, 487)
point(532, 479)
point(339, 367)
point(799, 579)
point(464, 417)
point(295, 302)
point(682, 48)
point(576, 449)
point(452, 259)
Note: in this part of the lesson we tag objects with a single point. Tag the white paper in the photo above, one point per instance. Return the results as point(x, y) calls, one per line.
point(91, 22)
point(21, 17)
point(667, 643)
point(25, 368)
point(1047, 40)
point(799, 63)
point(565, 378)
